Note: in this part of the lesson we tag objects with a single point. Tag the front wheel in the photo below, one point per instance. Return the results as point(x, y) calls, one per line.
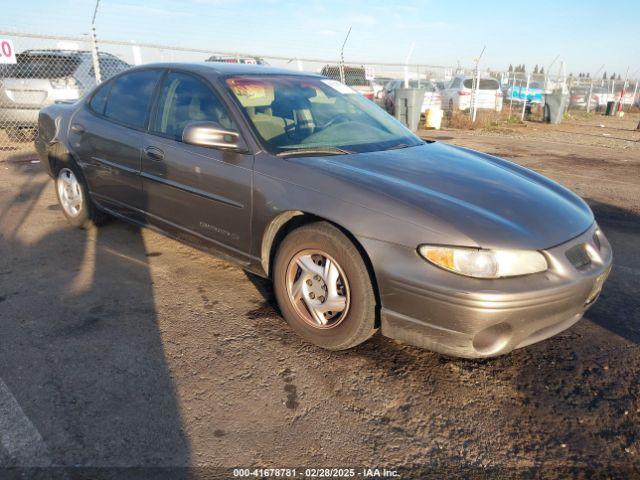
point(323, 287)
point(74, 198)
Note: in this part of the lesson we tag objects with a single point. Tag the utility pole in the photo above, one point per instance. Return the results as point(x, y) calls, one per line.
point(342, 78)
point(635, 90)
point(547, 72)
point(591, 89)
point(476, 82)
point(622, 92)
point(94, 46)
point(406, 65)
point(526, 95)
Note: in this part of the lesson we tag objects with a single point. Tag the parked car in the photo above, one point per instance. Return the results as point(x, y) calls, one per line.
point(601, 96)
point(42, 77)
point(457, 94)
point(578, 97)
point(354, 77)
point(378, 85)
point(359, 223)
point(517, 92)
point(627, 98)
point(431, 96)
point(236, 59)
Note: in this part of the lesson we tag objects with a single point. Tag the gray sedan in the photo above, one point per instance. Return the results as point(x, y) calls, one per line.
point(360, 224)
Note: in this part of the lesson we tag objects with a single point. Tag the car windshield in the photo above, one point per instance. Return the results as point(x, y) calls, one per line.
point(305, 113)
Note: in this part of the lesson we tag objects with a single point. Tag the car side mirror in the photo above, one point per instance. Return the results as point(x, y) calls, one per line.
point(212, 135)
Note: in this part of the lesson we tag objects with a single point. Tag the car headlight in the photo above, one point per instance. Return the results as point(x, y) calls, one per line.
point(479, 263)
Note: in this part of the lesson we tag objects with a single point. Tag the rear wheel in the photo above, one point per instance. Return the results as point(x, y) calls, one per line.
point(323, 287)
point(74, 198)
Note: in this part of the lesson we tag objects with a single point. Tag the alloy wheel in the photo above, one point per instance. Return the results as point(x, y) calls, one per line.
point(318, 289)
point(69, 192)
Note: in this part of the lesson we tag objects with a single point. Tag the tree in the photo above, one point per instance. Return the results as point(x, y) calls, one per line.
point(510, 68)
point(541, 70)
point(588, 75)
point(619, 77)
point(535, 69)
point(613, 77)
point(604, 75)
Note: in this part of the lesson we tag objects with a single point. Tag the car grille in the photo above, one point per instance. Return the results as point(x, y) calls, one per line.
point(578, 256)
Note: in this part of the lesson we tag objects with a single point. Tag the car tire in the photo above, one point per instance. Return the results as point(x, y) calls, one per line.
point(322, 242)
point(74, 199)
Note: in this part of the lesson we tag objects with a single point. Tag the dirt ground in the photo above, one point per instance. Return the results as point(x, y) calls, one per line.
point(121, 348)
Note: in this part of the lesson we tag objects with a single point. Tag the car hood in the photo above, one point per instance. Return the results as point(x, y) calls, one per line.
point(463, 196)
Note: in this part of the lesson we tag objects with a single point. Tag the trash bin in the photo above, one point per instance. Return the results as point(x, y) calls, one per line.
point(408, 106)
point(555, 104)
point(611, 108)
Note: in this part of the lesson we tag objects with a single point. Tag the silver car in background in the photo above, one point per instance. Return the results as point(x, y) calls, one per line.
point(431, 99)
point(457, 94)
point(42, 77)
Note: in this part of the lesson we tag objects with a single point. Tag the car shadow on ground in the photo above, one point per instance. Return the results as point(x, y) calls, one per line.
point(87, 370)
point(618, 308)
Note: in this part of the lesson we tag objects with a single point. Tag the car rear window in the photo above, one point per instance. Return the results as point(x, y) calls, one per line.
point(41, 66)
point(353, 76)
point(428, 86)
point(485, 84)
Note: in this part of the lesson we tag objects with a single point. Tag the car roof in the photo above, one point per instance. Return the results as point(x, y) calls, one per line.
point(61, 53)
point(223, 68)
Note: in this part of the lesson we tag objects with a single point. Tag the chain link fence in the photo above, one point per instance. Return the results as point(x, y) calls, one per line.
point(53, 68)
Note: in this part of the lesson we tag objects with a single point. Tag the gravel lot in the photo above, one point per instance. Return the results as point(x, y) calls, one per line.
point(121, 348)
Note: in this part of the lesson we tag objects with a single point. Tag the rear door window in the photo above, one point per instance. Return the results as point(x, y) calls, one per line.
point(130, 97)
point(99, 98)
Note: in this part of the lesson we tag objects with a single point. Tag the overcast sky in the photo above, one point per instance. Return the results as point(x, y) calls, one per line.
point(586, 34)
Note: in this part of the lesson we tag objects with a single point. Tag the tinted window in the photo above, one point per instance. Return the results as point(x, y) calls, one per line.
point(183, 99)
point(485, 84)
point(130, 97)
point(45, 65)
point(99, 99)
point(456, 83)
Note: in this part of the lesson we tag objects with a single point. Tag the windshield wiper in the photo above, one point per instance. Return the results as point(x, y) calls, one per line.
point(309, 151)
point(399, 146)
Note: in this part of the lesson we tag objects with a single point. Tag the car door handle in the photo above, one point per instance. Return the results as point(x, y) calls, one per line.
point(154, 153)
point(77, 128)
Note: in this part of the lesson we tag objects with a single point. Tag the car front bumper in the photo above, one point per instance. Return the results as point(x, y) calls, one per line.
point(426, 306)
